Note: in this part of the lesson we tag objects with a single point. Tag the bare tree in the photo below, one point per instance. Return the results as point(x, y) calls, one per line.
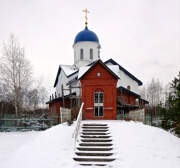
point(4, 92)
point(43, 95)
point(154, 92)
point(37, 97)
point(32, 98)
point(143, 92)
point(16, 72)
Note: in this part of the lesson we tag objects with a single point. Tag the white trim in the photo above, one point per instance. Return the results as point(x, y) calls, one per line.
point(89, 108)
point(78, 124)
point(108, 108)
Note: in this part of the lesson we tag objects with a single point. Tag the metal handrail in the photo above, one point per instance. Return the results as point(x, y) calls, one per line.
point(77, 126)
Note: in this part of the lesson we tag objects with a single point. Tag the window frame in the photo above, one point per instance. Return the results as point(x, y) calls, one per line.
point(99, 104)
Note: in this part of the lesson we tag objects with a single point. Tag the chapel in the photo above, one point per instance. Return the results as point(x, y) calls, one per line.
point(108, 91)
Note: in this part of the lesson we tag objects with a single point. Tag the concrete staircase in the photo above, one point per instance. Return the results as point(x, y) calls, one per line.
point(95, 146)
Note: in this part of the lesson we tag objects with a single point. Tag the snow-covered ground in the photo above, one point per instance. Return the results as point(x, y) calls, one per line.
point(135, 145)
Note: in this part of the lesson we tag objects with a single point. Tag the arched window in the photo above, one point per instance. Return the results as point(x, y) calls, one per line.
point(91, 53)
point(81, 54)
point(129, 87)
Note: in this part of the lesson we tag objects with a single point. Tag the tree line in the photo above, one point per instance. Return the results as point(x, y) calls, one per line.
point(17, 84)
point(164, 103)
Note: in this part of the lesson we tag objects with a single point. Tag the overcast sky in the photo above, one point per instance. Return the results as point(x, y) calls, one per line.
point(141, 35)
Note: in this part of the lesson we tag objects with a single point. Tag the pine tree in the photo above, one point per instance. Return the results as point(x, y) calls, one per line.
point(171, 119)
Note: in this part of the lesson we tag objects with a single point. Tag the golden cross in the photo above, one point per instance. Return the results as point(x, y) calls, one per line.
point(86, 12)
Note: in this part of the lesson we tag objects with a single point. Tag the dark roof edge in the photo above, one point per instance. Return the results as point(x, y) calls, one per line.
point(129, 91)
point(54, 100)
point(59, 98)
point(73, 73)
point(124, 70)
point(56, 81)
point(145, 101)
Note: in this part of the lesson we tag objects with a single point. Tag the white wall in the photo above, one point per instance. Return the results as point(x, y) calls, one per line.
point(125, 80)
point(86, 45)
point(77, 90)
point(62, 79)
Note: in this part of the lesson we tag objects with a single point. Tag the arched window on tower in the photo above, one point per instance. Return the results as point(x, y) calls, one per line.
point(81, 54)
point(91, 53)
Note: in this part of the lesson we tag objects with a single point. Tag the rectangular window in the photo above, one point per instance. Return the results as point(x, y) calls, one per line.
point(96, 97)
point(101, 97)
point(81, 54)
point(91, 53)
point(101, 111)
point(96, 110)
point(99, 104)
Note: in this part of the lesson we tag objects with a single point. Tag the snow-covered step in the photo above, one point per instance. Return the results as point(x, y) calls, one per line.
point(93, 163)
point(93, 127)
point(94, 153)
point(95, 140)
point(99, 148)
point(95, 144)
point(95, 159)
point(95, 136)
point(94, 124)
point(95, 130)
point(95, 133)
point(76, 151)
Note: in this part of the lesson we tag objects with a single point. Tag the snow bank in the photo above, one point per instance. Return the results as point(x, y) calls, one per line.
point(135, 146)
point(52, 148)
point(11, 142)
point(138, 146)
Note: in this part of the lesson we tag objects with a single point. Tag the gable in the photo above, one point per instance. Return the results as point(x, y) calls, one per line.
point(98, 71)
point(69, 70)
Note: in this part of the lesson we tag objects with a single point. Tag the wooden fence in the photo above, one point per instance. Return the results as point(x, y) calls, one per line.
point(65, 114)
point(137, 115)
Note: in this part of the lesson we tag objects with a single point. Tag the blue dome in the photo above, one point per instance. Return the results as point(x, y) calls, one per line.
point(86, 35)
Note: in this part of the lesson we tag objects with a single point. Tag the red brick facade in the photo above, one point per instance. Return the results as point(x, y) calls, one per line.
point(54, 109)
point(98, 79)
point(128, 98)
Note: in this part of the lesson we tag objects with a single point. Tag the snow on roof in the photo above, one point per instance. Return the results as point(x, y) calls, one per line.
point(115, 69)
point(83, 70)
point(124, 70)
point(69, 69)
